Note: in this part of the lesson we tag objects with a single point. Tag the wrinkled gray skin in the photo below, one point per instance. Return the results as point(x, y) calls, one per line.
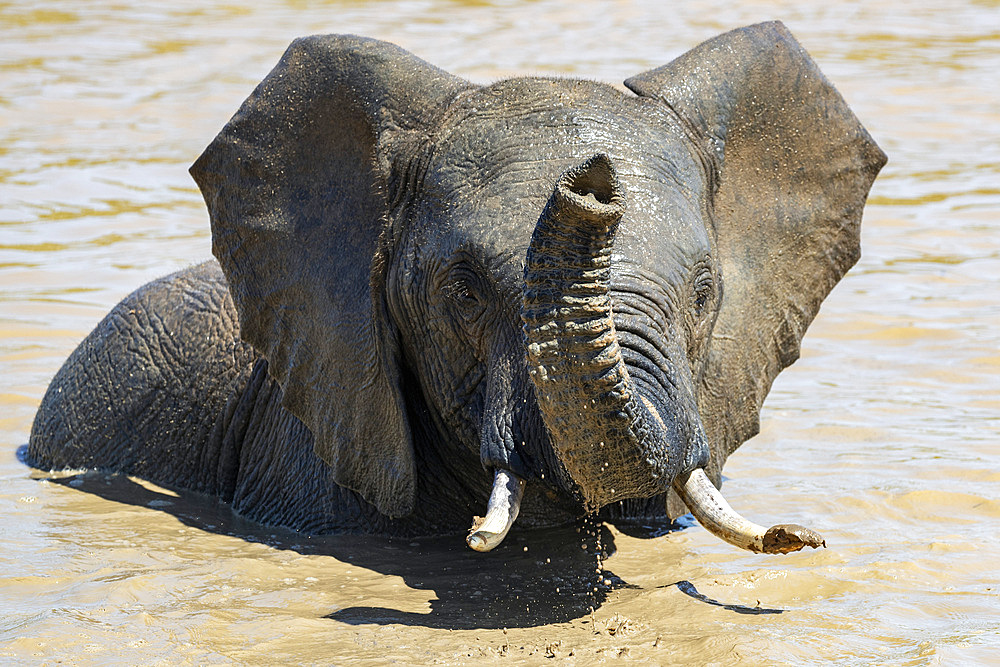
point(376, 221)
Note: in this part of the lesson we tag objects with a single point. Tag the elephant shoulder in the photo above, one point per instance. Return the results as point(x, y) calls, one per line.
point(144, 392)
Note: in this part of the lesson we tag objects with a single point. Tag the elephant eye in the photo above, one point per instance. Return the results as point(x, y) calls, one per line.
point(464, 295)
point(704, 289)
point(464, 292)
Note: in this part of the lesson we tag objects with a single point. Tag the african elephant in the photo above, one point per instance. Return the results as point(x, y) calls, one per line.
point(547, 294)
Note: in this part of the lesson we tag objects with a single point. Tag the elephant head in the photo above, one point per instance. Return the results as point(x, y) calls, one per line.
point(581, 289)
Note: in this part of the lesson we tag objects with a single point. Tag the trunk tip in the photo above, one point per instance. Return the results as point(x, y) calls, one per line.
point(596, 176)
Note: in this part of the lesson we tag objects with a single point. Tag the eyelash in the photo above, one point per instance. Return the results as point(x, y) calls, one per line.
point(703, 291)
point(464, 293)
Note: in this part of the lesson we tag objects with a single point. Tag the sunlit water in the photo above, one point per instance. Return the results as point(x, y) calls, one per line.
point(884, 435)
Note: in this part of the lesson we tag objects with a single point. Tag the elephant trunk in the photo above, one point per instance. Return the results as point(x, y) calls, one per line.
point(610, 439)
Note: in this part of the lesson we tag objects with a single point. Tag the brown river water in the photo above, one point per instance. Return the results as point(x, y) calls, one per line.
point(885, 436)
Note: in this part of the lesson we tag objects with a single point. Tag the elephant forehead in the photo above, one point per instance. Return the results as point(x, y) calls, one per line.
point(501, 149)
point(539, 126)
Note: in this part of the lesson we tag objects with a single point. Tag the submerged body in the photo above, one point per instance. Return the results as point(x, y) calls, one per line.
point(582, 293)
point(215, 415)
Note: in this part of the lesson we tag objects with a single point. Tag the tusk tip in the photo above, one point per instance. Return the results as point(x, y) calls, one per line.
point(789, 537)
point(504, 504)
point(479, 541)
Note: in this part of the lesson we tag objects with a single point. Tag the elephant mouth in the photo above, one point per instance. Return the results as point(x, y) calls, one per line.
point(614, 438)
point(706, 503)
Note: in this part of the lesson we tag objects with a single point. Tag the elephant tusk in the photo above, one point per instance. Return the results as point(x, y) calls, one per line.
point(715, 514)
point(502, 510)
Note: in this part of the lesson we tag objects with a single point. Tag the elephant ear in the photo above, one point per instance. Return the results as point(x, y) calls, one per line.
point(298, 185)
point(794, 167)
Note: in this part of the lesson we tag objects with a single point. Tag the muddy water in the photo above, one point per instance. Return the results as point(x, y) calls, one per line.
point(884, 435)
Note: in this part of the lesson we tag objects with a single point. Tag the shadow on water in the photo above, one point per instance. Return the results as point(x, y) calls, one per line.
point(688, 588)
point(537, 577)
